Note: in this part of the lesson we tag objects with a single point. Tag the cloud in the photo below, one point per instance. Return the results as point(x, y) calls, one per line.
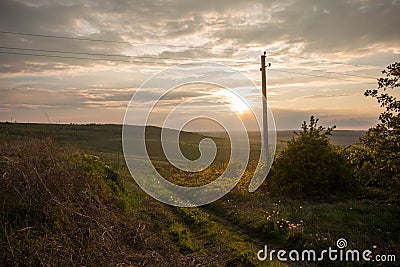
point(324, 26)
point(320, 96)
point(299, 35)
point(308, 26)
point(72, 98)
point(291, 119)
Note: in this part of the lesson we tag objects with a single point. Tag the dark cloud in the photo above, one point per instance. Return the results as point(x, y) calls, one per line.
point(326, 26)
point(363, 31)
point(312, 25)
point(72, 98)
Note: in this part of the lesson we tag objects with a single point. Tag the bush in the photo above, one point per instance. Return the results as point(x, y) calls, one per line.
point(377, 158)
point(310, 167)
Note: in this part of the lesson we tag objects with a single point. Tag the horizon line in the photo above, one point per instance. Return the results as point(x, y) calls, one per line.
point(120, 124)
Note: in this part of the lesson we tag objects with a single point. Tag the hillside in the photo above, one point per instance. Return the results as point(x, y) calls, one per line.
point(69, 200)
point(106, 138)
point(64, 207)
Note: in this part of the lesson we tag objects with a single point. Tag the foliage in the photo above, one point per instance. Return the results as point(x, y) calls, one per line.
point(377, 159)
point(310, 167)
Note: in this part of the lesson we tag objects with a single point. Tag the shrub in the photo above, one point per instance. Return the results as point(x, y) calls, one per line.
point(310, 167)
point(377, 158)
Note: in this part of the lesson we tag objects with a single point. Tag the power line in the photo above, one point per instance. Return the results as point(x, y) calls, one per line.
point(64, 37)
point(114, 41)
point(341, 73)
point(146, 62)
point(141, 57)
point(320, 76)
point(98, 59)
point(337, 62)
point(64, 52)
point(166, 45)
point(333, 72)
point(129, 61)
point(72, 57)
point(96, 54)
point(329, 72)
point(89, 58)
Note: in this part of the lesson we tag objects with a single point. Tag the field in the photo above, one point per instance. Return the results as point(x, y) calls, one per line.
point(109, 220)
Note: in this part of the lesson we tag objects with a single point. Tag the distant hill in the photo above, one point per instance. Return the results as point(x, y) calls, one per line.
point(107, 138)
point(339, 137)
point(100, 137)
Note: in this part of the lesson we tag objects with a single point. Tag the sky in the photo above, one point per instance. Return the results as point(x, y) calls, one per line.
point(82, 61)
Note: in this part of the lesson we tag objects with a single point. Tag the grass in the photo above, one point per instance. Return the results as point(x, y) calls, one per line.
point(288, 224)
point(68, 199)
point(221, 244)
point(63, 207)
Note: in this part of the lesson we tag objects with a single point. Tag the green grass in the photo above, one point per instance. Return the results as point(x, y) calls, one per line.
point(218, 240)
point(289, 224)
point(104, 138)
point(70, 200)
point(62, 207)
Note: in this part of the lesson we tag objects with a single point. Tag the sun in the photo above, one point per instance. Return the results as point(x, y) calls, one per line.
point(235, 102)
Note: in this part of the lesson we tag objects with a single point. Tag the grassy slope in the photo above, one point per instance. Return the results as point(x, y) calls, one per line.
point(231, 230)
point(61, 206)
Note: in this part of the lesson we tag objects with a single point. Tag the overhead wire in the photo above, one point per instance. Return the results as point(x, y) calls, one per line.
point(133, 59)
point(97, 54)
point(72, 57)
point(165, 45)
point(147, 62)
point(336, 62)
point(320, 76)
point(115, 41)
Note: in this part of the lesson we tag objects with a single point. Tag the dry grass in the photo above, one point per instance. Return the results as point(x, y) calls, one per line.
point(61, 207)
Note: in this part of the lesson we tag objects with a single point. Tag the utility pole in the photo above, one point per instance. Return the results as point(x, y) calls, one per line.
point(264, 133)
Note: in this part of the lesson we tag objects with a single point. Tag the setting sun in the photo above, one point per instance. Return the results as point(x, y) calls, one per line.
point(235, 103)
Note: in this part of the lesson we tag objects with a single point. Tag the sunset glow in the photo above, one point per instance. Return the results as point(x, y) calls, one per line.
point(83, 63)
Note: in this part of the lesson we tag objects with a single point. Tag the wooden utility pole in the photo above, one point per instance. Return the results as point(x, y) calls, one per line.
point(264, 133)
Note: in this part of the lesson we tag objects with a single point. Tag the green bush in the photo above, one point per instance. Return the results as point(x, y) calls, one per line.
point(310, 167)
point(377, 158)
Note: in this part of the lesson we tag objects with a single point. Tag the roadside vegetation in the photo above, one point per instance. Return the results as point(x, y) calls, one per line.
point(63, 207)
